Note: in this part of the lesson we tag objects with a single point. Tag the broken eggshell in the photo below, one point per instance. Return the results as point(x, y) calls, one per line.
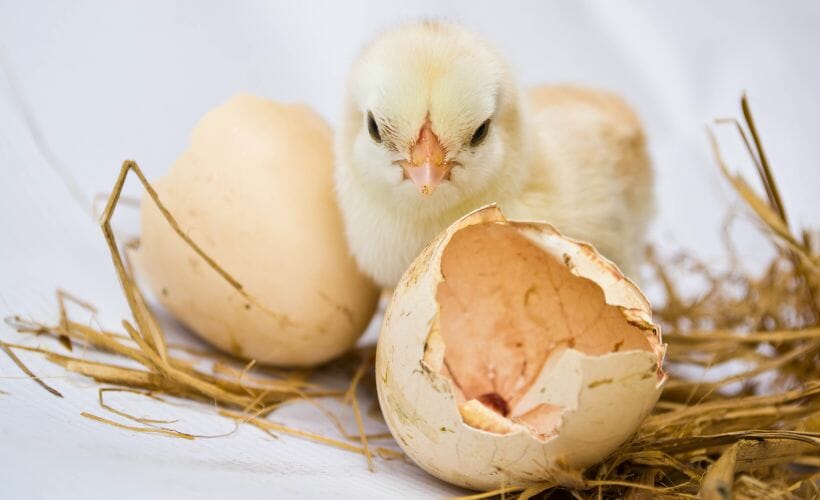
point(510, 354)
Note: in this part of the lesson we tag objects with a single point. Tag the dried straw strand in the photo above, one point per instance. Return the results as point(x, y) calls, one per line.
point(5, 348)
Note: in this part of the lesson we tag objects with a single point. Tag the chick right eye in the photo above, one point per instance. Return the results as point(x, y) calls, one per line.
point(480, 133)
point(373, 128)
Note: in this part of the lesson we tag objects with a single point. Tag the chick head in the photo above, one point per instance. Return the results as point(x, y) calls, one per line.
point(433, 118)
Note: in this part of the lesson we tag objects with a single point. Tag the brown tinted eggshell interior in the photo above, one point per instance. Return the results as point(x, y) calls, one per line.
point(505, 307)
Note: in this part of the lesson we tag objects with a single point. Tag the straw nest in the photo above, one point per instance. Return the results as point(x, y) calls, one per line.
point(755, 433)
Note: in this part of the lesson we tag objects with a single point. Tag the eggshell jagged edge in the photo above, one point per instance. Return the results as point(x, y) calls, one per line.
point(616, 390)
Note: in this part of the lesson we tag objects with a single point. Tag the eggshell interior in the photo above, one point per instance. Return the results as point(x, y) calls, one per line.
point(506, 307)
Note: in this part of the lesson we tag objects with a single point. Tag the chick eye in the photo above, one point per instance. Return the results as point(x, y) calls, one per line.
point(480, 133)
point(373, 128)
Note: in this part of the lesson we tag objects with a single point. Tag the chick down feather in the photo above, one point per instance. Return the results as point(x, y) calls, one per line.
point(570, 156)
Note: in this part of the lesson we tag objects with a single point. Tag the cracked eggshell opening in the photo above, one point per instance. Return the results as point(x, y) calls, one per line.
point(510, 353)
point(255, 190)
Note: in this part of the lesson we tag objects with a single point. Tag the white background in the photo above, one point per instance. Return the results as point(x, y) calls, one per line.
point(86, 84)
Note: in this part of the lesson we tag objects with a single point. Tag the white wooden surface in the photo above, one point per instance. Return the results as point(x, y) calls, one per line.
point(86, 84)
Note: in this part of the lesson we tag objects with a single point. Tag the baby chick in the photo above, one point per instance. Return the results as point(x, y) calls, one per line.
point(435, 126)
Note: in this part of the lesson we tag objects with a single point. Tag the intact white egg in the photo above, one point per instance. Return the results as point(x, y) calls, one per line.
point(255, 190)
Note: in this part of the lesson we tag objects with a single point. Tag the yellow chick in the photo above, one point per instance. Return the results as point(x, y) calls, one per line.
point(435, 126)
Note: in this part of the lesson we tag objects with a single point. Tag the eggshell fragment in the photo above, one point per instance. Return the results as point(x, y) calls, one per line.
point(510, 354)
point(254, 190)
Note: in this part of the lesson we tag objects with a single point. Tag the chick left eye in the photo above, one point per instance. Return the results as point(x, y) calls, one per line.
point(480, 133)
point(373, 128)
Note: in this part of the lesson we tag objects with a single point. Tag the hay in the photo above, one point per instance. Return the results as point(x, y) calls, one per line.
point(751, 434)
point(180, 371)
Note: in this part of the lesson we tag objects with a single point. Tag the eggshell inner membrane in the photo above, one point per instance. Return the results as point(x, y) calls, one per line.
point(506, 306)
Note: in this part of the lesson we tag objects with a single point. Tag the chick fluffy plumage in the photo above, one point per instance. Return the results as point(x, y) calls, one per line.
point(572, 157)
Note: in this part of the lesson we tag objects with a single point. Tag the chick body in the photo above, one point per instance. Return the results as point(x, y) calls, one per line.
point(573, 157)
point(590, 173)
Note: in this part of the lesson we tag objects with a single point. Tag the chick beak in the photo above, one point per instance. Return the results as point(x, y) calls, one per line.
point(427, 166)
